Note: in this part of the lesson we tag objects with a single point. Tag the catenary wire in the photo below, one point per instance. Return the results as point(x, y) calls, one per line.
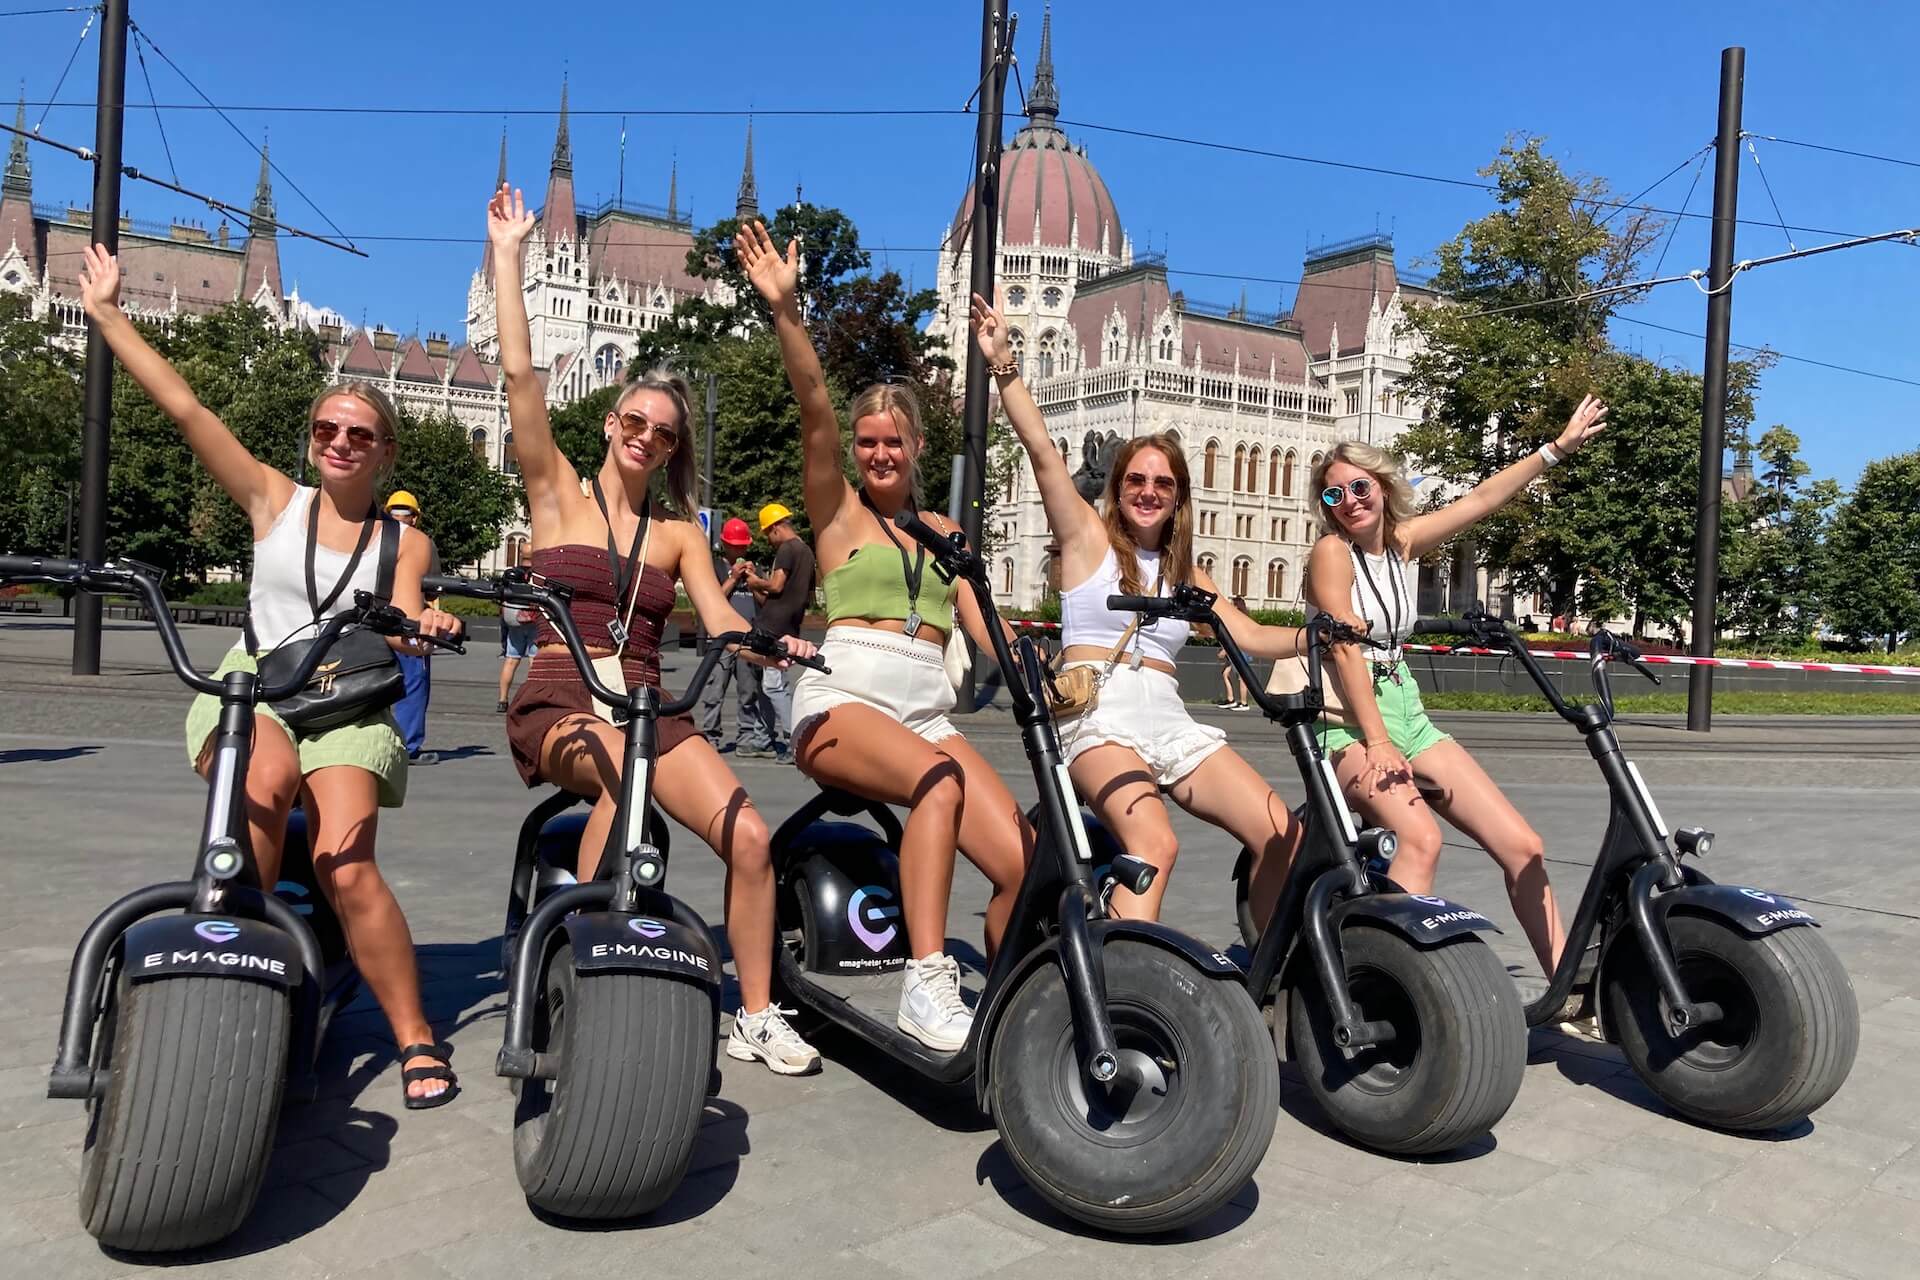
point(1746, 346)
point(84, 28)
point(1771, 198)
point(1838, 151)
point(158, 122)
point(1699, 168)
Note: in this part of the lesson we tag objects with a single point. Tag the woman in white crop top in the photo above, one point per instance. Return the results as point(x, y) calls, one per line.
point(1139, 740)
point(1385, 748)
point(341, 776)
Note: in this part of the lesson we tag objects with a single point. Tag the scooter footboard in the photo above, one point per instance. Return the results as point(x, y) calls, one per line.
point(1752, 911)
point(1422, 918)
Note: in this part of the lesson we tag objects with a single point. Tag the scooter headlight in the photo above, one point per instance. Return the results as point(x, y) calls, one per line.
point(223, 860)
point(1697, 841)
point(1378, 842)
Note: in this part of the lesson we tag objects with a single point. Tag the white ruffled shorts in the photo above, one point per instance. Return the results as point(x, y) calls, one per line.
point(905, 680)
point(1142, 711)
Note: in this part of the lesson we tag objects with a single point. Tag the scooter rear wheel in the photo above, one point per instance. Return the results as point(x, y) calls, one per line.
point(612, 1136)
point(177, 1146)
point(1163, 1155)
point(1786, 1040)
point(1455, 1062)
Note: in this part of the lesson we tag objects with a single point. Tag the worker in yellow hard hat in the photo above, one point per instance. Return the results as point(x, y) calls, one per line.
point(783, 594)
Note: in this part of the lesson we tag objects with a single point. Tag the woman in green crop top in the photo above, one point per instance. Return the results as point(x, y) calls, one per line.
point(877, 725)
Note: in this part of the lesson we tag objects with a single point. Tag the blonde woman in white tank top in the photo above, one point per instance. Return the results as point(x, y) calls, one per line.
point(1139, 740)
point(342, 775)
point(1359, 572)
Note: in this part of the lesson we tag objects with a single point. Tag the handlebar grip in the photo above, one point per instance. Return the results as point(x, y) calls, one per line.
point(31, 566)
point(1444, 627)
point(441, 584)
point(1139, 604)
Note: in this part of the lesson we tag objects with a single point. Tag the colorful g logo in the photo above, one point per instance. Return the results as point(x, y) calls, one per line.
point(1429, 900)
point(217, 930)
point(647, 928)
point(1758, 896)
point(861, 913)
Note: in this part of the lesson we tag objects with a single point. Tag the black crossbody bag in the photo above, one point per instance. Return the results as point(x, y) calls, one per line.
point(360, 674)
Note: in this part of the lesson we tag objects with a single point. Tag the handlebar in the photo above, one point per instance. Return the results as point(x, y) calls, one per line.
point(130, 577)
point(520, 587)
point(1486, 631)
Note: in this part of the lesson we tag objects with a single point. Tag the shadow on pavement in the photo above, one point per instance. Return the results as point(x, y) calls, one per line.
point(47, 755)
point(996, 1169)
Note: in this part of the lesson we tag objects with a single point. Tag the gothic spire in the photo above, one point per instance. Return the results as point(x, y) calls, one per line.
point(262, 212)
point(19, 177)
point(562, 145)
point(746, 203)
point(501, 181)
point(1043, 104)
point(673, 189)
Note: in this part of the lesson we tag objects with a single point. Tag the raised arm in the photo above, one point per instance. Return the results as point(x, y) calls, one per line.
point(1256, 639)
point(1425, 532)
point(543, 467)
point(1074, 522)
point(1330, 590)
point(777, 277)
point(261, 491)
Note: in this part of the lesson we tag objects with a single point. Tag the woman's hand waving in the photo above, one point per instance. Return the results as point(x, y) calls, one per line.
point(991, 332)
point(508, 222)
point(99, 282)
point(777, 277)
point(1588, 421)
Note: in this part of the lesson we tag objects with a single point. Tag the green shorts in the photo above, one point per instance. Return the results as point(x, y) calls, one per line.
point(1400, 708)
point(371, 743)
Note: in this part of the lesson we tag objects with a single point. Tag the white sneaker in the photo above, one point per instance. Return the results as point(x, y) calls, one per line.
point(931, 1010)
point(768, 1036)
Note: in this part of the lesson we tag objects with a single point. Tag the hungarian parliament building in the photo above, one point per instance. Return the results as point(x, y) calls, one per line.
point(1110, 348)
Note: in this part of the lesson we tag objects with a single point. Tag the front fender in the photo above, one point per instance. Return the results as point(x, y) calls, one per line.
point(1752, 911)
point(617, 941)
point(1422, 918)
point(225, 946)
point(1211, 963)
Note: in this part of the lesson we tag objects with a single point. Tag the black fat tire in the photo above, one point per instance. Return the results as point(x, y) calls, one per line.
point(612, 1137)
point(1786, 1047)
point(1453, 1069)
point(1185, 1160)
point(177, 1147)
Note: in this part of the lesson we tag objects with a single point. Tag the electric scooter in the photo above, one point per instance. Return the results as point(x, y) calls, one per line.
point(613, 986)
point(182, 1032)
point(1402, 1020)
point(1726, 1000)
point(1120, 1060)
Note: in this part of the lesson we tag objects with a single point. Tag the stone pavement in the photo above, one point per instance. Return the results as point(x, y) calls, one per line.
point(862, 1170)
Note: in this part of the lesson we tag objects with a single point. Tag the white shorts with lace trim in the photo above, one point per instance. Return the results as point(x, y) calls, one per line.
point(904, 680)
point(1142, 711)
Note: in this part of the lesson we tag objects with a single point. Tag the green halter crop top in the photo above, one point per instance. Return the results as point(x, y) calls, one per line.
point(871, 586)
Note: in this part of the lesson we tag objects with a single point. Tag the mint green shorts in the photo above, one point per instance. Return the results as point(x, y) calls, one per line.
point(1401, 709)
point(371, 743)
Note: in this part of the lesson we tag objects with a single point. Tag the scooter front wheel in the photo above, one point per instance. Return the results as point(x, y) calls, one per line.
point(1180, 1137)
point(177, 1146)
point(1456, 1058)
point(1785, 1040)
point(612, 1135)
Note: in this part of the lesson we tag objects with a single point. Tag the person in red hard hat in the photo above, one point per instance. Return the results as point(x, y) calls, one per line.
point(753, 717)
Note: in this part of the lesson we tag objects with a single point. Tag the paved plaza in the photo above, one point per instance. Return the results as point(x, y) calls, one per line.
point(860, 1170)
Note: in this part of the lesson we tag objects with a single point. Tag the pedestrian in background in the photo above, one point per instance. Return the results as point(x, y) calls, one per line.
point(753, 714)
point(783, 596)
point(411, 711)
point(518, 627)
point(1236, 688)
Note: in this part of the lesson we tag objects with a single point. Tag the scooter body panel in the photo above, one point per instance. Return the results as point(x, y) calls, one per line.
point(1423, 919)
point(619, 941)
point(850, 881)
point(221, 946)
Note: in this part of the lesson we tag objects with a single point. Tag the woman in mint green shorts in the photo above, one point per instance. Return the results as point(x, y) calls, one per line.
point(307, 539)
point(1360, 572)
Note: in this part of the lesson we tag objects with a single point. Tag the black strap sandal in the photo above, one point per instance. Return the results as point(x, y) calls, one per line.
point(442, 1053)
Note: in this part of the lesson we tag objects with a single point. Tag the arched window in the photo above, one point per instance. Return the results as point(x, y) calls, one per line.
point(1286, 476)
point(1050, 298)
point(1273, 474)
point(479, 441)
point(1046, 354)
point(1253, 471)
point(1206, 564)
point(1006, 577)
point(1239, 467)
point(1316, 460)
point(1242, 569)
point(1207, 464)
point(1276, 580)
point(1166, 342)
point(1013, 481)
point(1018, 341)
point(608, 365)
point(509, 458)
point(516, 550)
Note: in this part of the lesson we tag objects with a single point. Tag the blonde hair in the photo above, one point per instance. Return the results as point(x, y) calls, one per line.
point(384, 414)
point(900, 404)
point(1176, 552)
point(1396, 494)
point(680, 478)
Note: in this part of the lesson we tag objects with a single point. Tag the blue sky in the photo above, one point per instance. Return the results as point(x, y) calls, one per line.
point(1625, 93)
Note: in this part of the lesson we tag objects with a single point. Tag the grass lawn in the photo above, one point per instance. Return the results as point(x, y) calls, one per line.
point(1733, 704)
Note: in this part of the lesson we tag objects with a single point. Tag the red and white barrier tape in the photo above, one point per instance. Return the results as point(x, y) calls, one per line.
point(1676, 660)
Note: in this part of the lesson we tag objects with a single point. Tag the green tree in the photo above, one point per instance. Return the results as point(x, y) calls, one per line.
point(1872, 575)
point(1779, 451)
point(40, 426)
point(464, 503)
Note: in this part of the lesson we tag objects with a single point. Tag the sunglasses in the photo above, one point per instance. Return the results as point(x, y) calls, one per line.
point(1334, 494)
point(633, 427)
point(359, 438)
point(1159, 484)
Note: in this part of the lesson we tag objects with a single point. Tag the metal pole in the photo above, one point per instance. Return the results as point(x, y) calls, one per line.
point(706, 473)
point(1713, 406)
point(985, 249)
point(109, 119)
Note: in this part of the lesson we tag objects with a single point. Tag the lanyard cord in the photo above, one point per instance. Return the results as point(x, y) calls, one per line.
point(915, 573)
point(626, 571)
point(1394, 618)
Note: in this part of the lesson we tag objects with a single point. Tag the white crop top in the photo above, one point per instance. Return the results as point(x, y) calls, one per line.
point(1383, 597)
point(277, 595)
point(1085, 618)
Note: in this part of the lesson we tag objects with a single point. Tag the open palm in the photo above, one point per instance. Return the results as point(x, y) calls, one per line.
point(776, 276)
point(99, 280)
point(508, 222)
point(990, 331)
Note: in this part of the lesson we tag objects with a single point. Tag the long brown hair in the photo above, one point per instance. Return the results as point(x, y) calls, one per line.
point(680, 477)
point(1176, 551)
point(900, 404)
